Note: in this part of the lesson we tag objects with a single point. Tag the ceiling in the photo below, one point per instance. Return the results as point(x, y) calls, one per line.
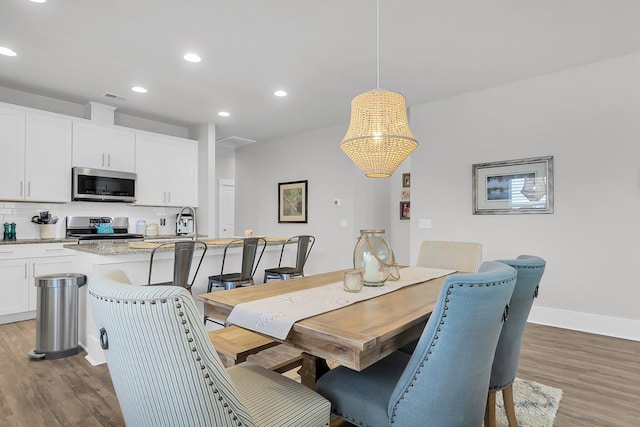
point(322, 53)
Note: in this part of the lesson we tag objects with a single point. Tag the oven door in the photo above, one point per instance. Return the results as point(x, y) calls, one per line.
point(99, 185)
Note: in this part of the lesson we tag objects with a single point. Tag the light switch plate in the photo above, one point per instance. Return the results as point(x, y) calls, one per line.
point(424, 223)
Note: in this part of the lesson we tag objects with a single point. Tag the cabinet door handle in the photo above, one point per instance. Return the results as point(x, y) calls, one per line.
point(29, 189)
point(102, 162)
point(54, 250)
point(169, 197)
point(6, 252)
point(109, 160)
point(164, 196)
point(21, 188)
point(25, 269)
point(33, 269)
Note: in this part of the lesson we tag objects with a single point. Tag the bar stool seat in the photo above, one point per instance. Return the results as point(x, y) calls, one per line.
point(304, 246)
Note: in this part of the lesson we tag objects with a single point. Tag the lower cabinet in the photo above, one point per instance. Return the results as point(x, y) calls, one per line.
point(17, 283)
point(14, 285)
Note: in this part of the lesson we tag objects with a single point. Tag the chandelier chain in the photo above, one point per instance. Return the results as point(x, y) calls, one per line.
point(378, 44)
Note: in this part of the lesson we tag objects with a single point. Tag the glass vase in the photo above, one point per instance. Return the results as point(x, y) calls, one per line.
point(373, 256)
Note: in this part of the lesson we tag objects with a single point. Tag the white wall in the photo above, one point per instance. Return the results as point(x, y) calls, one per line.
point(587, 118)
point(312, 156)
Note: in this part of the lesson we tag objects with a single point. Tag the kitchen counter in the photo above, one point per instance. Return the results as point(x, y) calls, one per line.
point(146, 246)
point(31, 241)
point(132, 258)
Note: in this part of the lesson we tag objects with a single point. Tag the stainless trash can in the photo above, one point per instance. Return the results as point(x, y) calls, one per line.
point(57, 315)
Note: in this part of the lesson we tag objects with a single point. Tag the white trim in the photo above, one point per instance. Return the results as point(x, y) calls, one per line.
point(586, 322)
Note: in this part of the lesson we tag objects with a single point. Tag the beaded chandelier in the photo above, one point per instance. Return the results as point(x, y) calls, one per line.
point(378, 138)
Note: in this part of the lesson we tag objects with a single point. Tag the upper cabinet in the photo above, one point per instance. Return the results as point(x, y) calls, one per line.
point(36, 150)
point(12, 130)
point(167, 169)
point(39, 149)
point(101, 147)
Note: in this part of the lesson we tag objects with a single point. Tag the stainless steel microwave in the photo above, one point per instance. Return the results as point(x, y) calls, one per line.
point(97, 185)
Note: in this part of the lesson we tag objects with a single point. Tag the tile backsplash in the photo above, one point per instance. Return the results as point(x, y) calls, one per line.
point(21, 213)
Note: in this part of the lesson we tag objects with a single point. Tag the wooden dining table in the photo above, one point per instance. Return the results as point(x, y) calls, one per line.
point(355, 336)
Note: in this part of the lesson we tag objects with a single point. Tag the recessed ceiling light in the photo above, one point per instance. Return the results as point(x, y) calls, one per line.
point(224, 114)
point(139, 89)
point(6, 51)
point(192, 57)
point(280, 93)
point(39, 1)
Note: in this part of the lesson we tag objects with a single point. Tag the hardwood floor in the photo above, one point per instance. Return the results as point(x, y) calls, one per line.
point(600, 377)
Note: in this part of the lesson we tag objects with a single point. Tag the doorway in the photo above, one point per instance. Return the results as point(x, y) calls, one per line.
point(226, 207)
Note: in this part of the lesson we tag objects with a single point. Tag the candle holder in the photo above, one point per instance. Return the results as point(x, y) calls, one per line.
point(352, 281)
point(373, 257)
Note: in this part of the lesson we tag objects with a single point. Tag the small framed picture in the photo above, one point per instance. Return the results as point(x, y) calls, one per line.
point(405, 194)
point(292, 201)
point(405, 210)
point(406, 180)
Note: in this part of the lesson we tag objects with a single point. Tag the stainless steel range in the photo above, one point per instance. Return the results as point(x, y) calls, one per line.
point(90, 229)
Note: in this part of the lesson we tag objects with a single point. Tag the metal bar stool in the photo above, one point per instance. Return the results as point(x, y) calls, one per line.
point(305, 244)
point(183, 256)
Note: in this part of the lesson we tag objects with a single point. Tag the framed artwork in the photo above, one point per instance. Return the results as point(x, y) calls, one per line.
point(405, 210)
point(405, 194)
point(406, 180)
point(292, 201)
point(521, 186)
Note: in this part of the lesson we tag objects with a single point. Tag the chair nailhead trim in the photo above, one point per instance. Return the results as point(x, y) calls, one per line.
point(435, 337)
point(189, 340)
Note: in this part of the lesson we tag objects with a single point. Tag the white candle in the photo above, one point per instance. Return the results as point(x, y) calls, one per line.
point(371, 269)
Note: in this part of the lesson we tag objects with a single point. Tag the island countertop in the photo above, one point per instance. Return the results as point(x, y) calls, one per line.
point(146, 246)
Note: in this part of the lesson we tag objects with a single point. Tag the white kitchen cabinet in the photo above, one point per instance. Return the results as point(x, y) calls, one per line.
point(47, 158)
point(12, 128)
point(167, 169)
point(19, 266)
point(36, 149)
point(102, 147)
point(14, 276)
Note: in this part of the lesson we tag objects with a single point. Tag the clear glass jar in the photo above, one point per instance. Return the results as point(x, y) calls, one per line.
point(373, 257)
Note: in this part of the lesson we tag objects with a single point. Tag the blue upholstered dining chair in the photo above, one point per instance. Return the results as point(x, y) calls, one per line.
point(505, 362)
point(166, 372)
point(444, 383)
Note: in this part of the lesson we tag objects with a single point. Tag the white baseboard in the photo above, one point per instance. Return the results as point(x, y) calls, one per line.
point(17, 317)
point(586, 322)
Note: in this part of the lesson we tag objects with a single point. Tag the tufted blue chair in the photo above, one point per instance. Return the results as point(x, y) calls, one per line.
point(166, 372)
point(505, 362)
point(444, 383)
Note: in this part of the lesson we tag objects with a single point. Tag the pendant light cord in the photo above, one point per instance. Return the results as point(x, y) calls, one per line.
point(378, 44)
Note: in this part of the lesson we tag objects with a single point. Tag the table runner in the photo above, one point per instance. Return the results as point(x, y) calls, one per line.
point(276, 315)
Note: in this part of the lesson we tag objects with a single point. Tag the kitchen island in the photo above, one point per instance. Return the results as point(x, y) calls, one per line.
point(133, 259)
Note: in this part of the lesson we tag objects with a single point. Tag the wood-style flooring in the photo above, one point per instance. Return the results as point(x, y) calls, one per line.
point(600, 377)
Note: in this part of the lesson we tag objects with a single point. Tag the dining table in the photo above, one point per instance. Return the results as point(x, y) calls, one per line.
point(355, 336)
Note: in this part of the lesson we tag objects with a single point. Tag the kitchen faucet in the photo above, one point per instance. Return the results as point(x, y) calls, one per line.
point(193, 235)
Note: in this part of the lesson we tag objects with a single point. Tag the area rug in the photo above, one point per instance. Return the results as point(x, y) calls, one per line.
point(536, 404)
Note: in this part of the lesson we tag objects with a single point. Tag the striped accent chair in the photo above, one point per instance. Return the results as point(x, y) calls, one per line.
point(166, 372)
